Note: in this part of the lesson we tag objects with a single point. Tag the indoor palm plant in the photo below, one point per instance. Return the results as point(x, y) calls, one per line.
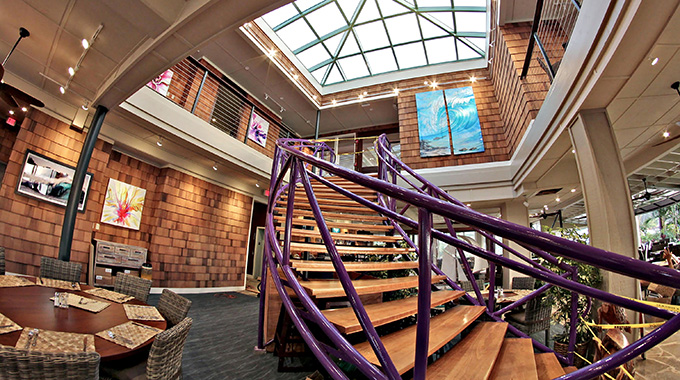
point(560, 298)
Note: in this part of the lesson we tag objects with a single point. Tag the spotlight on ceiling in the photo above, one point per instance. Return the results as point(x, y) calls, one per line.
point(676, 87)
point(666, 134)
point(655, 61)
point(160, 141)
point(215, 166)
point(86, 43)
point(257, 184)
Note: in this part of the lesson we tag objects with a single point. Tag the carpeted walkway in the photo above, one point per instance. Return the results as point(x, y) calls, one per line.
point(221, 341)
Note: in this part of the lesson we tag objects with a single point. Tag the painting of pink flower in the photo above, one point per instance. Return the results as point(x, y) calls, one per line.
point(161, 83)
point(123, 205)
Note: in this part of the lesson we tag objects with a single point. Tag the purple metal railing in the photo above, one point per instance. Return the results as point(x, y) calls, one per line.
point(291, 157)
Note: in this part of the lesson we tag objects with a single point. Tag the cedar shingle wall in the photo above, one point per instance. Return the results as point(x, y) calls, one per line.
point(196, 232)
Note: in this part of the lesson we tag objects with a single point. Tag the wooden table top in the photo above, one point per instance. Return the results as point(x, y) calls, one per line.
point(31, 306)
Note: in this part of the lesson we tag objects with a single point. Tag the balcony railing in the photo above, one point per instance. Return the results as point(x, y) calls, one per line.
point(552, 27)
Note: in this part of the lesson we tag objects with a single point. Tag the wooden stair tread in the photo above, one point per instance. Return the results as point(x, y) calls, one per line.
point(570, 369)
point(401, 344)
point(333, 288)
point(348, 249)
point(342, 225)
point(547, 366)
point(356, 208)
point(341, 216)
point(341, 236)
point(472, 358)
point(327, 193)
point(515, 361)
point(359, 266)
point(382, 313)
point(323, 202)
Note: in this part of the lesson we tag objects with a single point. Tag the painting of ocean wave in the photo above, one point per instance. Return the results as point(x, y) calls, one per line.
point(465, 129)
point(433, 128)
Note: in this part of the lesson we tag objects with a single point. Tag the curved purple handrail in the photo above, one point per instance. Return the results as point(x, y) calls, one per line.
point(451, 209)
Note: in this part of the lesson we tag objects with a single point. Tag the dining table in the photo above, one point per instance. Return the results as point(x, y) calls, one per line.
point(32, 306)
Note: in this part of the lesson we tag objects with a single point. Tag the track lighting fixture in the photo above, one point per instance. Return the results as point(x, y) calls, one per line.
point(214, 166)
point(676, 87)
point(160, 141)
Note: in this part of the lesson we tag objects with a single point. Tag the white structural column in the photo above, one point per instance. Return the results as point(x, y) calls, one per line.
point(516, 212)
point(611, 223)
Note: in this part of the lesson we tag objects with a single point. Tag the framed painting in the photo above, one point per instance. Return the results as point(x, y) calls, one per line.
point(466, 131)
point(257, 129)
point(161, 83)
point(49, 180)
point(433, 128)
point(123, 205)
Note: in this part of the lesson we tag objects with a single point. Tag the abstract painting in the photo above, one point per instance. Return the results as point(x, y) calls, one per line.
point(433, 128)
point(48, 180)
point(123, 205)
point(161, 83)
point(257, 129)
point(465, 129)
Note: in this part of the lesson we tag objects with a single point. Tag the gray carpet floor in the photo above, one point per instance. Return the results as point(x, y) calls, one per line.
point(221, 342)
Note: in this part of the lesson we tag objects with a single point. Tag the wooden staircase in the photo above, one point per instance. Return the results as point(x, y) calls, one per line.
point(369, 243)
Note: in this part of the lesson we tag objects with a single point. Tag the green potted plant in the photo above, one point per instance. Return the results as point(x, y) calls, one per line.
point(560, 299)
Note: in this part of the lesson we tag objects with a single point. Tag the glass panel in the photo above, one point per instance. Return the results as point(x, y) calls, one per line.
point(470, 22)
point(389, 8)
point(280, 15)
point(429, 29)
point(465, 52)
point(369, 12)
point(441, 50)
point(326, 19)
point(296, 34)
point(306, 4)
point(348, 7)
point(318, 74)
point(372, 36)
point(313, 56)
point(469, 3)
point(480, 43)
point(403, 28)
point(434, 3)
point(350, 46)
point(411, 55)
point(354, 67)
point(333, 42)
point(334, 76)
point(381, 61)
point(445, 18)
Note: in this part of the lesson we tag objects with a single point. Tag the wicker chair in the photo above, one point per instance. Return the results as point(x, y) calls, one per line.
point(35, 365)
point(2, 260)
point(133, 286)
point(165, 358)
point(60, 270)
point(535, 318)
point(173, 307)
point(467, 285)
point(523, 283)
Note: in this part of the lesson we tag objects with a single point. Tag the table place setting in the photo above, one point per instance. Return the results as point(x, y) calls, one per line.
point(59, 284)
point(7, 325)
point(129, 334)
point(142, 313)
point(84, 303)
point(7, 281)
point(110, 295)
point(33, 339)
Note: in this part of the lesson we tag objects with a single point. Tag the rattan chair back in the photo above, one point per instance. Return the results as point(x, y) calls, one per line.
point(467, 285)
point(523, 283)
point(60, 270)
point(173, 307)
point(133, 286)
point(2, 260)
point(165, 357)
point(35, 365)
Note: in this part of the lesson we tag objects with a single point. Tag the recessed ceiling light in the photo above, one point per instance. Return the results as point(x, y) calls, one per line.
point(334, 102)
point(468, 204)
point(257, 184)
point(666, 134)
point(655, 61)
point(426, 83)
point(396, 91)
point(573, 151)
point(573, 190)
point(11, 112)
point(557, 199)
point(473, 79)
point(24, 109)
point(86, 43)
point(361, 96)
point(215, 166)
point(71, 71)
point(62, 90)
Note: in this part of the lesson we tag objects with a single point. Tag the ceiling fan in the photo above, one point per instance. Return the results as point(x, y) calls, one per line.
point(647, 195)
point(10, 95)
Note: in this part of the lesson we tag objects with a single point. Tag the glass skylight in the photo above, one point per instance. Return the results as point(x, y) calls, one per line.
point(343, 40)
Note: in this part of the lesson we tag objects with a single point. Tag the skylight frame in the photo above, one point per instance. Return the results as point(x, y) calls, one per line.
point(347, 31)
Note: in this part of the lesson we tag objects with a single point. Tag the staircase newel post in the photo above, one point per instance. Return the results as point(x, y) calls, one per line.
point(573, 319)
point(424, 293)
